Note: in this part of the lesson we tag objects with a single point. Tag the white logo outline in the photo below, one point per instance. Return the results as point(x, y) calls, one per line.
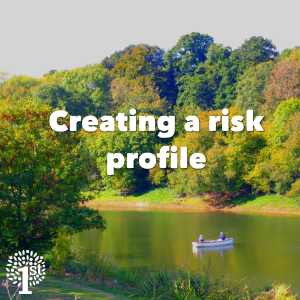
point(25, 269)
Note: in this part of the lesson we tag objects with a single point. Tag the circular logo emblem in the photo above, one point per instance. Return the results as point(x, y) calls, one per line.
point(26, 269)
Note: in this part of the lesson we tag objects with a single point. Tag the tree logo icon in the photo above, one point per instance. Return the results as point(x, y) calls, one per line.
point(25, 269)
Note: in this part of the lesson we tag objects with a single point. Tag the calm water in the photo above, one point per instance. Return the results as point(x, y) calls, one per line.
point(267, 248)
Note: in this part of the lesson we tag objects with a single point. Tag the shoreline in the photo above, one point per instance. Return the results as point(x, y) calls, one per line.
point(188, 206)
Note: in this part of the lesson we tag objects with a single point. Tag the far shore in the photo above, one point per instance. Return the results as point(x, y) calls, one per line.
point(164, 200)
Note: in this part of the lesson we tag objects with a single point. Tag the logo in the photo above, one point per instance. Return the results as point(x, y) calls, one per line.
point(25, 269)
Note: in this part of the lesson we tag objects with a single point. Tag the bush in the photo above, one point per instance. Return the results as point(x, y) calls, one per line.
point(295, 189)
point(278, 292)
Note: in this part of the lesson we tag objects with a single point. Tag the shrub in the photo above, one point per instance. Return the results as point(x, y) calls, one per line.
point(295, 189)
point(278, 292)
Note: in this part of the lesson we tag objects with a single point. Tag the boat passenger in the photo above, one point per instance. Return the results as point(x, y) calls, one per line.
point(201, 238)
point(222, 236)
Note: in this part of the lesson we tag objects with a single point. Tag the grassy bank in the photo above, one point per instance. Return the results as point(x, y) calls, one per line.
point(108, 282)
point(68, 289)
point(64, 289)
point(275, 204)
point(161, 199)
point(165, 199)
point(156, 286)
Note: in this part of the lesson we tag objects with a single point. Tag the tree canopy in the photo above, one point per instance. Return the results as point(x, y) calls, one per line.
point(43, 173)
point(41, 176)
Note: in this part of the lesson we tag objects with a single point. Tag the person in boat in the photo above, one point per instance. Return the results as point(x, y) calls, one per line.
point(222, 236)
point(201, 238)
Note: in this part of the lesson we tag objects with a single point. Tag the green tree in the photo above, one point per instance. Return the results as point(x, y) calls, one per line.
point(285, 110)
point(295, 189)
point(278, 165)
point(143, 61)
point(256, 50)
point(139, 93)
point(41, 175)
point(196, 90)
point(89, 84)
point(241, 156)
point(222, 68)
point(57, 96)
point(140, 60)
point(213, 82)
point(110, 61)
point(189, 51)
point(81, 91)
point(18, 87)
point(191, 181)
point(230, 158)
point(251, 86)
point(124, 180)
point(289, 53)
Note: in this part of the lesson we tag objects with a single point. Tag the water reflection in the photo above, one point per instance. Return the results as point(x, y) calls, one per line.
point(200, 252)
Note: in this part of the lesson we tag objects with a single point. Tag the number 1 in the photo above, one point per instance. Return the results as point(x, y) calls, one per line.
point(25, 280)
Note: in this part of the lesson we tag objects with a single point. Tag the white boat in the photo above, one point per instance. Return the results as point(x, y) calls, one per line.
point(213, 243)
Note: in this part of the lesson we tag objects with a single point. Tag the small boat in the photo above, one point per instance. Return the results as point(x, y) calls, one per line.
point(213, 243)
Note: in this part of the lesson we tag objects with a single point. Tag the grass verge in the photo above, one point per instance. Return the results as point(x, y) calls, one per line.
point(165, 199)
point(181, 285)
point(67, 289)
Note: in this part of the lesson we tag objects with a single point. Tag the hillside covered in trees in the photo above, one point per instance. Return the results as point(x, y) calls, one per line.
point(196, 76)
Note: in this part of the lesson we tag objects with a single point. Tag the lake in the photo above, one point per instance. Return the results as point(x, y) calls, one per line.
point(267, 248)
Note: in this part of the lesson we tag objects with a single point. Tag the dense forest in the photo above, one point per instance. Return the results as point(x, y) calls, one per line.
point(42, 173)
